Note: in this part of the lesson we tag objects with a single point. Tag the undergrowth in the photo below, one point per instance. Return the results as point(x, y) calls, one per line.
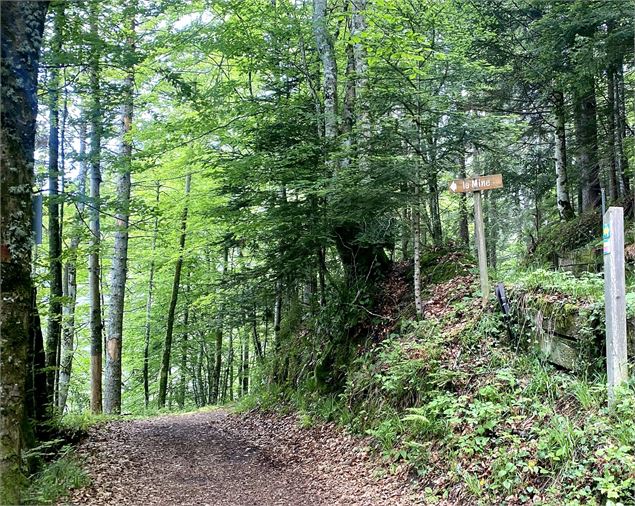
point(451, 401)
point(56, 478)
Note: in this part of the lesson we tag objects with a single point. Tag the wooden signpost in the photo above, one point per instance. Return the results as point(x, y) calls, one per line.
point(614, 299)
point(476, 185)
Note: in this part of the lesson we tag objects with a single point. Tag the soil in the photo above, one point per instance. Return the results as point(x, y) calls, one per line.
point(217, 458)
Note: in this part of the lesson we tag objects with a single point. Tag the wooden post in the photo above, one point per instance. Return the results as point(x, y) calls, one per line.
point(614, 299)
point(476, 185)
point(479, 231)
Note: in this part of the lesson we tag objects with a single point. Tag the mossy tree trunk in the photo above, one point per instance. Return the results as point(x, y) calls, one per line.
point(21, 24)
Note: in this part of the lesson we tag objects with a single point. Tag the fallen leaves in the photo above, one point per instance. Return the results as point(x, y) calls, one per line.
point(221, 459)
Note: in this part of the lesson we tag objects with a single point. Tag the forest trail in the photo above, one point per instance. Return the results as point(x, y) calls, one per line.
point(220, 459)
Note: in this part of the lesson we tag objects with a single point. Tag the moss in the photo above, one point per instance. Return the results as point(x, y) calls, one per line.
point(440, 264)
point(561, 238)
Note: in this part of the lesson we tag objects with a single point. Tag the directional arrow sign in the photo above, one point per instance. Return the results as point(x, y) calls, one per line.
point(478, 183)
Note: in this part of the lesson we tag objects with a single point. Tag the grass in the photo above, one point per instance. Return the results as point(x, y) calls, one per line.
point(56, 479)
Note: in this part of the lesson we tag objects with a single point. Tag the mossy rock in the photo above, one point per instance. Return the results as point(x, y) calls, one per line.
point(440, 264)
point(558, 240)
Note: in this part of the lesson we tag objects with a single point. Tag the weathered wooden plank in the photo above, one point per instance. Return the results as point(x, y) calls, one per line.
point(477, 183)
point(615, 299)
point(479, 230)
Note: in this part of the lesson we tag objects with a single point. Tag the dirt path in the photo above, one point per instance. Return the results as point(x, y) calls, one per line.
point(214, 458)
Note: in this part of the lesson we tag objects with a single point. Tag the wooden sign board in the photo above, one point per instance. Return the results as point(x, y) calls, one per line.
point(478, 183)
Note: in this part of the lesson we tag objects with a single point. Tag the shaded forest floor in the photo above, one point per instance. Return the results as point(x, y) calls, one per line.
point(218, 458)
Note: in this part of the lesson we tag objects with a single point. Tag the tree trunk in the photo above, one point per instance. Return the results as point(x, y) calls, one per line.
point(491, 224)
point(198, 372)
point(562, 189)
point(245, 363)
point(218, 340)
point(464, 231)
point(620, 126)
point(95, 229)
point(260, 356)
point(329, 65)
point(146, 344)
point(611, 133)
point(22, 24)
point(416, 241)
point(587, 144)
point(119, 266)
point(184, 347)
point(167, 349)
point(54, 331)
point(362, 107)
point(68, 336)
point(348, 108)
point(436, 229)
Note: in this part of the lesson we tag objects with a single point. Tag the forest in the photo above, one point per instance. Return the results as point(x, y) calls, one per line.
point(232, 224)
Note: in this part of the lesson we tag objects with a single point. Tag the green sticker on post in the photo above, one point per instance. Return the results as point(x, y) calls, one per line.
point(606, 235)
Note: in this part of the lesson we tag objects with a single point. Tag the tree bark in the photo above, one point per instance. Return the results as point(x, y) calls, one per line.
point(416, 241)
point(562, 185)
point(148, 322)
point(464, 231)
point(620, 126)
point(68, 336)
point(611, 134)
point(54, 331)
point(21, 25)
point(245, 363)
point(587, 144)
point(218, 340)
point(119, 266)
point(362, 108)
point(167, 349)
point(329, 65)
point(95, 228)
point(184, 348)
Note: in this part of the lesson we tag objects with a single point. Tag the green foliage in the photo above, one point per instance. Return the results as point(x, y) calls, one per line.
point(56, 479)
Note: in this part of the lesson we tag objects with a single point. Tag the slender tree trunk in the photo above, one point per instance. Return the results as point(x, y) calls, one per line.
point(199, 375)
point(492, 221)
point(184, 348)
point(218, 339)
point(587, 144)
point(95, 229)
point(416, 240)
point(435, 211)
point(362, 107)
point(245, 363)
point(148, 322)
point(167, 349)
point(464, 231)
point(322, 274)
point(68, 336)
point(562, 185)
point(620, 128)
point(21, 25)
point(54, 332)
point(119, 266)
point(256, 338)
point(611, 133)
point(230, 364)
point(329, 65)
point(348, 114)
